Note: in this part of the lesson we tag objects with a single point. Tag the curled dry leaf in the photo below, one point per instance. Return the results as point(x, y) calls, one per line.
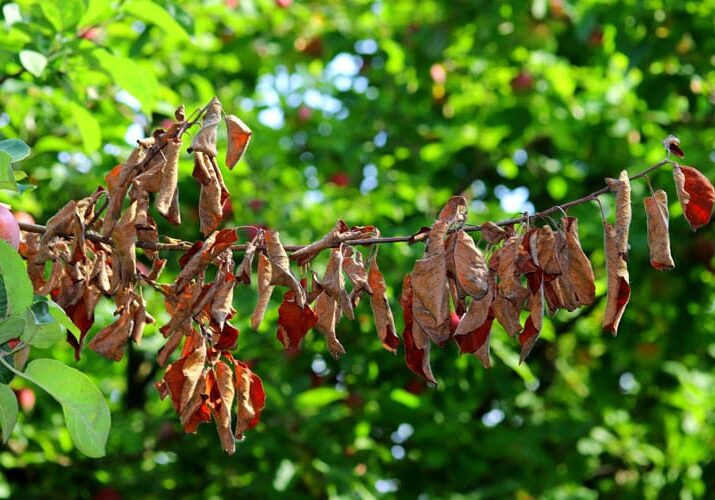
point(338, 234)
point(168, 189)
point(243, 271)
point(221, 403)
point(656, 208)
point(384, 321)
point(210, 202)
point(238, 137)
point(110, 340)
point(467, 266)
point(454, 211)
point(328, 312)
point(333, 283)
point(492, 233)
point(619, 290)
point(194, 361)
point(696, 195)
point(429, 288)
point(533, 324)
point(577, 281)
point(624, 213)
point(222, 303)
point(357, 274)
point(205, 140)
point(294, 322)
point(250, 398)
point(474, 329)
point(280, 267)
point(416, 353)
point(265, 290)
point(124, 236)
point(547, 252)
point(195, 261)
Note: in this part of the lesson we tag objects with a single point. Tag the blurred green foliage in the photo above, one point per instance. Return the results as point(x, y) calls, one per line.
point(376, 112)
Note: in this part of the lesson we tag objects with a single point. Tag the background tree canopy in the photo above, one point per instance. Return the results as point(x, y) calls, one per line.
point(376, 112)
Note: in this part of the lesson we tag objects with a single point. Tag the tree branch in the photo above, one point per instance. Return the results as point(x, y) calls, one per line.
point(185, 245)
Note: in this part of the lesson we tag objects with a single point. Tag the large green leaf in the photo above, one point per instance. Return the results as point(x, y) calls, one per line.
point(64, 15)
point(11, 327)
point(17, 284)
point(41, 330)
point(16, 148)
point(7, 176)
point(152, 13)
point(8, 411)
point(88, 127)
point(86, 412)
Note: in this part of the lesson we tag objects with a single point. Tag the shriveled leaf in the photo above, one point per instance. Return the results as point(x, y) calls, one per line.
point(327, 310)
point(492, 233)
point(357, 274)
point(243, 271)
point(280, 267)
point(333, 283)
point(205, 140)
point(339, 233)
point(294, 322)
point(507, 314)
point(192, 369)
point(381, 311)
point(577, 279)
point(470, 268)
point(619, 290)
point(250, 398)
point(124, 236)
point(454, 211)
point(696, 195)
point(238, 137)
point(624, 213)
point(222, 396)
point(416, 352)
point(222, 302)
point(265, 290)
point(656, 208)
point(169, 178)
point(200, 256)
point(210, 203)
point(547, 251)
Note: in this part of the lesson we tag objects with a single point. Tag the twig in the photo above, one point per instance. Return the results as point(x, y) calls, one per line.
point(185, 245)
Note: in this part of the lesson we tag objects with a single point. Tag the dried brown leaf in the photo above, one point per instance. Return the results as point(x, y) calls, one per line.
point(210, 203)
point(576, 268)
point(250, 398)
point(333, 283)
point(223, 393)
point(192, 369)
point(170, 176)
point(243, 271)
point(265, 290)
point(470, 268)
point(619, 290)
point(328, 313)
point(280, 267)
point(492, 233)
point(622, 188)
point(696, 195)
point(124, 236)
point(354, 267)
point(205, 140)
point(416, 352)
point(381, 311)
point(239, 136)
point(656, 208)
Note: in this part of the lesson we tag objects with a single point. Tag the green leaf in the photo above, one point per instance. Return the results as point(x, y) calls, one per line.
point(129, 76)
point(60, 316)
point(88, 126)
point(41, 330)
point(8, 411)
point(405, 398)
point(152, 13)
point(314, 399)
point(97, 11)
point(11, 328)
point(32, 61)
point(63, 16)
point(3, 298)
point(16, 148)
point(7, 176)
point(17, 284)
point(86, 412)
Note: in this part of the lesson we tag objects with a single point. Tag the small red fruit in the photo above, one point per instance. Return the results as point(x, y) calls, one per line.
point(284, 4)
point(522, 82)
point(25, 398)
point(9, 229)
point(304, 114)
point(340, 179)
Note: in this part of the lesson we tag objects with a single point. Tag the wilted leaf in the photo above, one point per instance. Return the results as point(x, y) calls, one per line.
point(384, 321)
point(200, 256)
point(243, 271)
point(577, 281)
point(192, 369)
point(205, 140)
point(238, 137)
point(327, 310)
point(470, 268)
point(124, 235)
point(619, 290)
point(624, 213)
point(696, 195)
point(416, 353)
point(280, 266)
point(454, 211)
point(338, 234)
point(492, 233)
point(333, 283)
point(210, 203)
point(169, 178)
point(250, 398)
point(357, 274)
point(656, 208)
point(265, 290)
point(294, 322)
point(222, 397)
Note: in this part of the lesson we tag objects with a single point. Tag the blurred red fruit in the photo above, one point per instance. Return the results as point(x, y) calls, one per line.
point(106, 494)
point(9, 229)
point(340, 179)
point(522, 82)
point(284, 4)
point(304, 113)
point(256, 204)
point(231, 4)
point(25, 398)
point(24, 217)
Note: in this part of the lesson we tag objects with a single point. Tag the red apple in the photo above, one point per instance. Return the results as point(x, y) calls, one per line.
point(522, 82)
point(231, 4)
point(284, 4)
point(304, 114)
point(9, 229)
point(25, 398)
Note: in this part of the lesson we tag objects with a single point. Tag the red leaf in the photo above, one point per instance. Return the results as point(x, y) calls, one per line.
point(528, 339)
point(294, 322)
point(227, 338)
point(696, 194)
point(416, 359)
point(471, 342)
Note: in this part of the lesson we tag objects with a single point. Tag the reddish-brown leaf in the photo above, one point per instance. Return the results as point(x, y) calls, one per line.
point(250, 398)
point(381, 311)
point(656, 208)
point(416, 356)
point(238, 137)
point(624, 212)
point(294, 322)
point(696, 195)
point(205, 140)
point(221, 404)
point(619, 290)
point(280, 266)
point(265, 290)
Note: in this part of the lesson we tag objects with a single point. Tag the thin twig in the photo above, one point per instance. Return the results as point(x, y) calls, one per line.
point(185, 245)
